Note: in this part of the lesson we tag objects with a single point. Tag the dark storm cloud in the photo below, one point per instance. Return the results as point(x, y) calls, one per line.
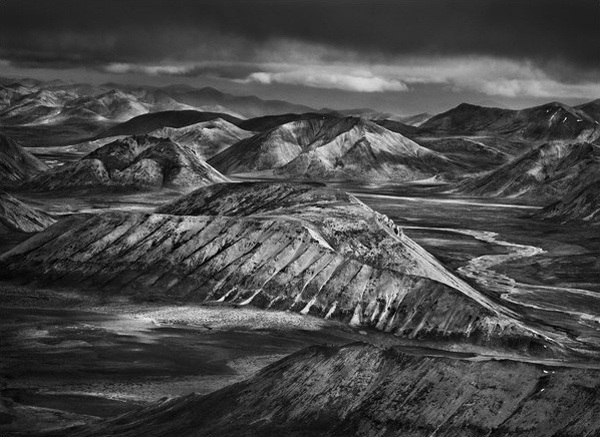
point(548, 32)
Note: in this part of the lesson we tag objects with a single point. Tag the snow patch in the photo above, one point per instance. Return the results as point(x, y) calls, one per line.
point(306, 309)
point(247, 301)
point(331, 310)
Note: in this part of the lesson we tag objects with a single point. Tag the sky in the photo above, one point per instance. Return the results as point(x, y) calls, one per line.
point(401, 56)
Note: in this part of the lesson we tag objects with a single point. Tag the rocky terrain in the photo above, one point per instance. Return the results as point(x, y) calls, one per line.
point(546, 172)
point(361, 390)
point(139, 162)
point(17, 216)
point(303, 248)
point(580, 205)
point(16, 163)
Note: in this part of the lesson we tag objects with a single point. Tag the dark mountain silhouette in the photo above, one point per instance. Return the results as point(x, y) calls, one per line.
point(147, 123)
point(212, 100)
point(247, 106)
point(552, 121)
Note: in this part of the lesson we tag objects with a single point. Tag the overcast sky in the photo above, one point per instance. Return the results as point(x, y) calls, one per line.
point(404, 56)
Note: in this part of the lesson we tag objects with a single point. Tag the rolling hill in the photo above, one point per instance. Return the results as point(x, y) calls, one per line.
point(142, 162)
point(205, 138)
point(333, 148)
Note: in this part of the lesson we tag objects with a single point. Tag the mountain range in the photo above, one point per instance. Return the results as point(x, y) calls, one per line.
point(542, 152)
point(552, 121)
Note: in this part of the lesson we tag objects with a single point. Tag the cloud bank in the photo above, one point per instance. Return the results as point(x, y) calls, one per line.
point(483, 74)
point(366, 82)
point(513, 49)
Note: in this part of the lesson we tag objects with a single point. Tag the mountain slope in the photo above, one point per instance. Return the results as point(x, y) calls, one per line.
point(330, 147)
point(17, 216)
point(552, 121)
point(360, 390)
point(278, 146)
point(141, 162)
point(580, 205)
point(304, 248)
point(547, 171)
point(16, 163)
point(205, 138)
point(479, 154)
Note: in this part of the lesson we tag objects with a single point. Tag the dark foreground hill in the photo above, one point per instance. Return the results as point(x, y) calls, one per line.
point(16, 163)
point(581, 205)
point(140, 162)
point(360, 390)
point(304, 248)
point(548, 171)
